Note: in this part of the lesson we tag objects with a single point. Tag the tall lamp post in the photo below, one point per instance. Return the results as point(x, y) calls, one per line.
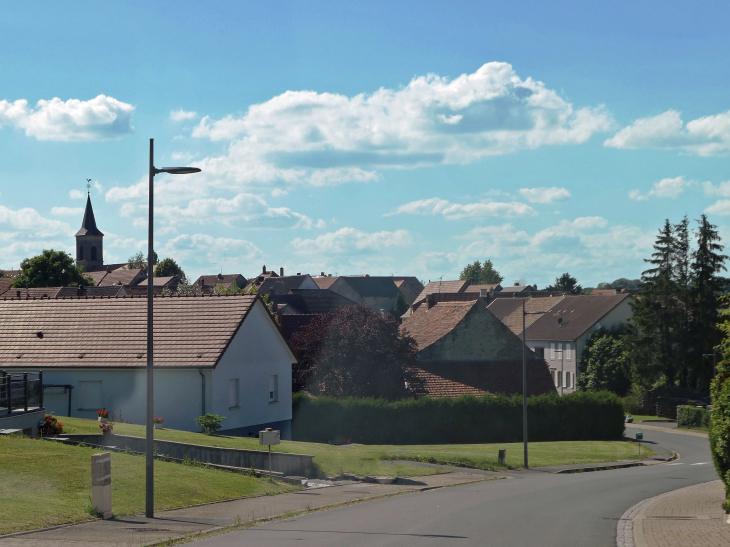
point(149, 448)
point(524, 378)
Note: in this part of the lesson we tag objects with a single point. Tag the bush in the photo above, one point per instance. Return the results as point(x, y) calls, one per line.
point(693, 417)
point(50, 426)
point(210, 423)
point(467, 419)
point(634, 400)
point(720, 426)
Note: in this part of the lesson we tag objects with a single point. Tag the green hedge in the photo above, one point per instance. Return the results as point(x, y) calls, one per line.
point(693, 417)
point(577, 416)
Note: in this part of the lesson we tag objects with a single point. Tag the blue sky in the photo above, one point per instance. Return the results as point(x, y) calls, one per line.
point(407, 138)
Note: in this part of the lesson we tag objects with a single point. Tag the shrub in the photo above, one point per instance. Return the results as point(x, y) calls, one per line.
point(634, 400)
point(50, 426)
point(210, 423)
point(693, 417)
point(467, 419)
point(720, 426)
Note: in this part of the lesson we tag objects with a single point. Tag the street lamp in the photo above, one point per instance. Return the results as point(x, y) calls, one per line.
point(149, 448)
point(524, 377)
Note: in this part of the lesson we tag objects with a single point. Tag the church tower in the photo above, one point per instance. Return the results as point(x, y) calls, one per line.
point(89, 241)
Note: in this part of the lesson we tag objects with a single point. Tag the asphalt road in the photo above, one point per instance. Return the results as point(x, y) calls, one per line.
point(534, 508)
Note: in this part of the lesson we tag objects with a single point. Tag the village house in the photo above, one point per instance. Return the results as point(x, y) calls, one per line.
point(213, 354)
point(464, 349)
point(376, 292)
point(207, 283)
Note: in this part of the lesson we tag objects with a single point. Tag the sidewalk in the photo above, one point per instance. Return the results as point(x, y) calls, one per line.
point(137, 531)
point(688, 516)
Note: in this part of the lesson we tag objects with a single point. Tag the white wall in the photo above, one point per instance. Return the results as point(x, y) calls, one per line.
point(255, 353)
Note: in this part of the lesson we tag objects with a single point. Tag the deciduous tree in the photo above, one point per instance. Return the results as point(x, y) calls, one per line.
point(51, 269)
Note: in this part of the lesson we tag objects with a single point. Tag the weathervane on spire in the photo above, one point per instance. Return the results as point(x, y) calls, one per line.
point(88, 186)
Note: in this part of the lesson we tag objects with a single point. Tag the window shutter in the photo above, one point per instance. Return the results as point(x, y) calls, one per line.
point(568, 379)
point(552, 350)
point(563, 375)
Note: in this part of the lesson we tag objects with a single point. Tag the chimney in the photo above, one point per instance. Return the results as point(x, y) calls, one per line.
point(263, 270)
point(329, 275)
point(220, 276)
point(299, 273)
point(322, 274)
point(281, 271)
point(517, 283)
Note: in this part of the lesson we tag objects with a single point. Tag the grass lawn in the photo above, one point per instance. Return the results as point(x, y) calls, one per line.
point(365, 459)
point(44, 483)
point(639, 418)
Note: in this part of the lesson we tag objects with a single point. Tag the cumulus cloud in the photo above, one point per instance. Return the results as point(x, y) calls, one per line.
point(202, 250)
point(326, 138)
point(25, 232)
point(544, 195)
point(722, 189)
point(706, 136)
point(721, 207)
point(454, 211)
point(98, 119)
point(182, 115)
point(670, 188)
point(67, 211)
point(30, 222)
point(350, 240)
point(76, 194)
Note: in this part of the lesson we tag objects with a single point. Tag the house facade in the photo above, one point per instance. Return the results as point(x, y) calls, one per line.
point(213, 354)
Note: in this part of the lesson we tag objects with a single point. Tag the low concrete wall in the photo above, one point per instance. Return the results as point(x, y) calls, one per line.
point(288, 464)
point(27, 421)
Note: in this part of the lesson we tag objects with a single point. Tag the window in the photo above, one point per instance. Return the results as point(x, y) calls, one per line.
point(273, 388)
point(89, 395)
point(540, 352)
point(552, 350)
point(567, 351)
point(563, 379)
point(554, 374)
point(81, 253)
point(559, 348)
point(93, 253)
point(560, 381)
point(568, 379)
point(233, 393)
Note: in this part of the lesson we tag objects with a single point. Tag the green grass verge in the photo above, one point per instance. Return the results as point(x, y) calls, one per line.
point(45, 483)
point(366, 459)
point(639, 418)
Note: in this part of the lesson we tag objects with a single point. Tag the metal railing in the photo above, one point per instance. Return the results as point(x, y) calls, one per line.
point(20, 392)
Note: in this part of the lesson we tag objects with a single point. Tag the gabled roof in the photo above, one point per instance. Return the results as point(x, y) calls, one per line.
point(478, 378)
point(487, 287)
point(509, 310)
point(443, 286)
point(410, 286)
point(90, 292)
point(518, 288)
point(123, 276)
point(427, 326)
point(159, 281)
point(88, 225)
point(314, 301)
point(372, 286)
point(190, 331)
point(5, 283)
point(32, 292)
point(578, 313)
point(221, 279)
point(325, 282)
point(280, 284)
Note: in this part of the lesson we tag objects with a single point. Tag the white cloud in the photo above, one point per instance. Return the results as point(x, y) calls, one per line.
point(453, 211)
point(722, 189)
point(350, 240)
point(306, 137)
point(24, 232)
point(67, 211)
point(183, 156)
point(721, 207)
point(30, 222)
point(202, 250)
point(544, 195)
point(706, 136)
point(76, 194)
point(670, 188)
point(98, 119)
point(182, 115)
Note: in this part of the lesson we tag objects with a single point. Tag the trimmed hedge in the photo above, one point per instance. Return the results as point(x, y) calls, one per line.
point(693, 417)
point(468, 419)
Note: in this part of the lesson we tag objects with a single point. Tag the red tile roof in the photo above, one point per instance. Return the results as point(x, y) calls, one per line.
point(427, 326)
point(442, 286)
point(226, 280)
point(5, 283)
point(509, 310)
point(192, 331)
point(453, 379)
point(32, 292)
point(479, 288)
point(324, 282)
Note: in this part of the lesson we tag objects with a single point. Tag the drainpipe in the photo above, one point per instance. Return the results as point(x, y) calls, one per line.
point(202, 377)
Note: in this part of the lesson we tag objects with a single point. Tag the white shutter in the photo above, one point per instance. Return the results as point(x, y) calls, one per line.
point(552, 350)
point(563, 375)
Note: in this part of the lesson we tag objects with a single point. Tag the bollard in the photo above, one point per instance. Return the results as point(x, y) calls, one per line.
point(503, 457)
point(101, 484)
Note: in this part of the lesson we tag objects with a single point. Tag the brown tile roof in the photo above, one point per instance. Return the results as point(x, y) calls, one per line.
point(123, 276)
point(32, 292)
point(579, 313)
point(479, 288)
point(453, 379)
point(509, 310)
point(74, 292)
point(221, 279)
point(428, 326)
point(324, 282)
point(442, 286)
point(372, 286)
point(313, 301)
point(159, 281)
point(279, 284)
point(518, 288)
point(106, 267)
point(11, 273)
point(5, 283)
point(192, 331)
point(96, 276)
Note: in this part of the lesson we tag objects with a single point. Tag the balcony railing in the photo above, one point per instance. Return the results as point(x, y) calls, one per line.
point(20, 392)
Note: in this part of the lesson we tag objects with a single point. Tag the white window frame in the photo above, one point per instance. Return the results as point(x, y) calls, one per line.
point(552, 351)
point(568, 352)
point(274, 388)
point(234, 390)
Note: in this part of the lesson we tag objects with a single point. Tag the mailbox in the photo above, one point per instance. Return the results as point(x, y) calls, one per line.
point(639, 435)
point(269, 437)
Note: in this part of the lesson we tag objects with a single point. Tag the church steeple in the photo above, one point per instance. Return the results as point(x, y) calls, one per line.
point(89, 241)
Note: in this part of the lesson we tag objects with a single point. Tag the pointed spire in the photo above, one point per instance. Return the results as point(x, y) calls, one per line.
point(88, 225)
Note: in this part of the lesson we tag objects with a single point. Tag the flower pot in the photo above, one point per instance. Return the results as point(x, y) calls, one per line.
point(158, 426)
point(105, 431)
point(103, 420)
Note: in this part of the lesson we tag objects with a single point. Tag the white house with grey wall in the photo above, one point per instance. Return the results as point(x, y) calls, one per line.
point(213, 354)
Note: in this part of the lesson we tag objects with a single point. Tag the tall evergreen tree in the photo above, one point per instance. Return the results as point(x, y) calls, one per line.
point(708, 285)
point(683, 298)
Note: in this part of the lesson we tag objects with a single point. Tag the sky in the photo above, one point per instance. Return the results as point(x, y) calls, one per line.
point(388, 138)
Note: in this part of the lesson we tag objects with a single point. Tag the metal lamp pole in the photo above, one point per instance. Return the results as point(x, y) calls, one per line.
point(149, 433)
point(524, 379)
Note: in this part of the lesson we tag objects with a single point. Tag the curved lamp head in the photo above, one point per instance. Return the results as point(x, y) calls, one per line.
point(178, 170)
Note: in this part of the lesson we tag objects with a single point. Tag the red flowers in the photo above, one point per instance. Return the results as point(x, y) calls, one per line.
point(157, 420)
point(50, 426)
point(103, 413)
